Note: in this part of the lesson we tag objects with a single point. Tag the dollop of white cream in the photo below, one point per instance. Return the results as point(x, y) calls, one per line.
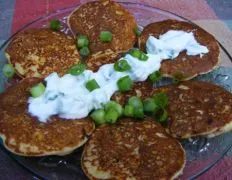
point(170, 44)
point(68, 97)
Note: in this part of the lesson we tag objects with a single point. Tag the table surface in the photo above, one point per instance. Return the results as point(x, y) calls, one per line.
point(213, 15)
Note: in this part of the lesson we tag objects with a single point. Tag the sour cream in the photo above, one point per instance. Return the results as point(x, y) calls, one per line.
point(170, 44)
point(68, 97)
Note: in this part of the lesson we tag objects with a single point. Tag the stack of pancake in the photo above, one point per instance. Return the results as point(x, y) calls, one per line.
point(129, 149)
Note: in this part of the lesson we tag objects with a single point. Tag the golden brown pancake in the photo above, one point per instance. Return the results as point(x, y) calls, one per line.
point(39, 52)
point(198, 109)
point(195, 108)
point(132, 150)
point(24, 135)
point(105, 15)
point(184, 67)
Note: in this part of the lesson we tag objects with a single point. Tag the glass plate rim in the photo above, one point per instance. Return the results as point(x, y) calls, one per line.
point(121, 2)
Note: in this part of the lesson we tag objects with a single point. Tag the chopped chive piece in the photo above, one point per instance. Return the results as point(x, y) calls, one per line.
point(137, 32)
point(98, 116)
point(122, 66)
point(84, 52)
point(37, 90)
point(115, 106)
point(106, 36)
point(143, 57)
point(125, 84)
point(138, 113)
point(91, 85)
point(135, 102)
point(149, 105)
point(76, 69)
point(82, 41)
point(155, 76)
point(135, 52)
point(55, 25)
point(111, 116)
point(161, 116)
point(129, 111)
point(161, 99)
point(8, 70)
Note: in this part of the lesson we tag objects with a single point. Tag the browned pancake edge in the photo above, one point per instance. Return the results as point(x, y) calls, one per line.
point(198, 109)
point(24, 135)
point(39, 52)
point(184, 67)
point(132, 149)
point(105, 15)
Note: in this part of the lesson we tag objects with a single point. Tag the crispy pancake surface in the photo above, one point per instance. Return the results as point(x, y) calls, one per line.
point(39, 52)
point(132, 150)
point(184, 67)
point(105, 15)
point(198, 108)
point(25, 135)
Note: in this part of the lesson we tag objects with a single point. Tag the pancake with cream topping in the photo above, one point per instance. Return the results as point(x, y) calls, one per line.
point(105, 15)
point(195, 108)
point(24, 135)
point(132, 150)
point(39, 52)
point(184, 67)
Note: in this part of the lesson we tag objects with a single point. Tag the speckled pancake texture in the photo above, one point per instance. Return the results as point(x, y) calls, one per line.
point(184, 67)
point(132, 150)
point(198, 108)
point(93, 17)
point(39, 52)
point(25, 135)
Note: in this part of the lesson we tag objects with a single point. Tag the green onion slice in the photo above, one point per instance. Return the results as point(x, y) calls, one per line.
point(137, 32)
point(111, 116)
point(128, 110)
point(149, 105)
point(115, 106)
point(8, 70)
point(98, 116)
point(135, 102)
point(143, 56)
point(92, 85)
point(125, 84)
point(122, 66)
point(77, 69)
point(138, 113)
point(106, 36)
point(155, 76)
point(37, 90)
point(84, 52)
point(135, 53)
point(55, 25)
point(82, 41)
point(161, 116)
point(161, 100)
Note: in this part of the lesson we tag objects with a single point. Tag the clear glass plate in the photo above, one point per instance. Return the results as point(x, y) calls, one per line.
point(202, 153)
